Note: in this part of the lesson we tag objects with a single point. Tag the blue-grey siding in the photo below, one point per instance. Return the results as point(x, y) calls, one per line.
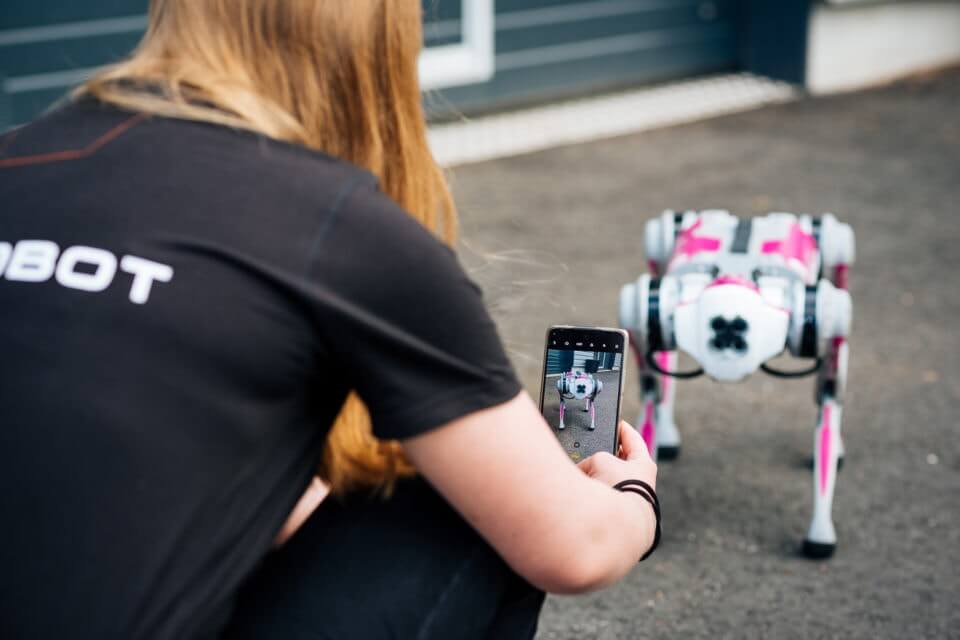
point(545, 48)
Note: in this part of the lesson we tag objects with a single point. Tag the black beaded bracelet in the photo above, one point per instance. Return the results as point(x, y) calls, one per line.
point(646, 492)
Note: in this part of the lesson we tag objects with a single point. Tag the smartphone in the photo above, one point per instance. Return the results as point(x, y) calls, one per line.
point(582, 388)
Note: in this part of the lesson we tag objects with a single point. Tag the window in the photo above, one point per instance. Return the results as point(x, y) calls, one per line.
point(468, 58)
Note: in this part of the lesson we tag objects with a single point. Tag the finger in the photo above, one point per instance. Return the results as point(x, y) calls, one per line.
point(586, 466)
point(595, 463)
point(632, 443)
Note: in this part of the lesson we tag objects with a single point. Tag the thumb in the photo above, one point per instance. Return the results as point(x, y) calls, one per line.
point(632, 442)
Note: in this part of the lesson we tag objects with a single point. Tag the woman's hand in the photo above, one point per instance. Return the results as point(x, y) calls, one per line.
point(633, 463)
point(532, 504)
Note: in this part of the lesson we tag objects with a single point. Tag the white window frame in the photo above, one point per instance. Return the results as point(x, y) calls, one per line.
point(472, 60)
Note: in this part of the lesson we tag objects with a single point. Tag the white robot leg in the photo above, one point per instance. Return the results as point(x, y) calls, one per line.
point(592, 401)
point(838, 249)
point(646, 422)
point(831, 381)
point(821, 539)
point(667, 434)
point(561, 388)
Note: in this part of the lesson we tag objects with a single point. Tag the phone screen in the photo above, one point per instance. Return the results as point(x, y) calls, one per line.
point(581, 389)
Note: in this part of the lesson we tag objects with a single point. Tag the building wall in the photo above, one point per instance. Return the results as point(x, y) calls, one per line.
point(859, 43)
point(543, 48)
point(554, 48)
point(559, 361)
point(48, 46)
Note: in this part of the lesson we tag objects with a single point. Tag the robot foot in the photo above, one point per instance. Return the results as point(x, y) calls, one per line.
point(592, 427)
point(668, 452)
point(818, 550)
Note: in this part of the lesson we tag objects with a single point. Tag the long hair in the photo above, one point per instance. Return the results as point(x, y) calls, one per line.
point(338, 76)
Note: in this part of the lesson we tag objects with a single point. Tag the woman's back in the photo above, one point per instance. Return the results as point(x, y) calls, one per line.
point(186, 304)
point(185, 308)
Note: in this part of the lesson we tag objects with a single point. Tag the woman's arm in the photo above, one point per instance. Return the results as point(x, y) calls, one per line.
point(562, 528)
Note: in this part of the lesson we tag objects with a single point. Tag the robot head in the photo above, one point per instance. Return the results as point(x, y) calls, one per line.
point(730, 329)
point(581, 385)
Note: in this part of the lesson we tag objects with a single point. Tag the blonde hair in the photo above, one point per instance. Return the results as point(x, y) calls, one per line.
point(338, 76)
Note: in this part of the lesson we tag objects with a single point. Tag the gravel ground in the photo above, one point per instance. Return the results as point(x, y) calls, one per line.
point(552, 236)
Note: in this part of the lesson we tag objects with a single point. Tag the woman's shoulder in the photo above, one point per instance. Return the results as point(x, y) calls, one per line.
point(205, 150)
point(266, 159)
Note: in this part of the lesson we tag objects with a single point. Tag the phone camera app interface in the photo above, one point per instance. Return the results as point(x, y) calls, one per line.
point(581, 392)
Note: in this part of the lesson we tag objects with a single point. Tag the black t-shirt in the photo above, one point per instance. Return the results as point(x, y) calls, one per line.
point(183, 309)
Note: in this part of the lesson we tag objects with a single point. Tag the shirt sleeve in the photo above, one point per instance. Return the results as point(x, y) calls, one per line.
point(403, 322)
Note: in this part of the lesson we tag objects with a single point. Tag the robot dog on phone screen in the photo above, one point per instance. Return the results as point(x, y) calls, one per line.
point(734, 293)
point(580, 385)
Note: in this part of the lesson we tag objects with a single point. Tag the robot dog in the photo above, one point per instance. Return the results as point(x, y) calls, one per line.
point(580, 385)
point(733, 293)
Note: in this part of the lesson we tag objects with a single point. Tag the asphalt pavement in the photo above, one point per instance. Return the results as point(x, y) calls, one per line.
point(552, 236)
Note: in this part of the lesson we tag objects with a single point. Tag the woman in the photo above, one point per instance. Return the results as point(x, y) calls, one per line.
point(199, 268)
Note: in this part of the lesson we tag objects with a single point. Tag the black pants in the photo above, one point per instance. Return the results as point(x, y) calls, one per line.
point(408, 567)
